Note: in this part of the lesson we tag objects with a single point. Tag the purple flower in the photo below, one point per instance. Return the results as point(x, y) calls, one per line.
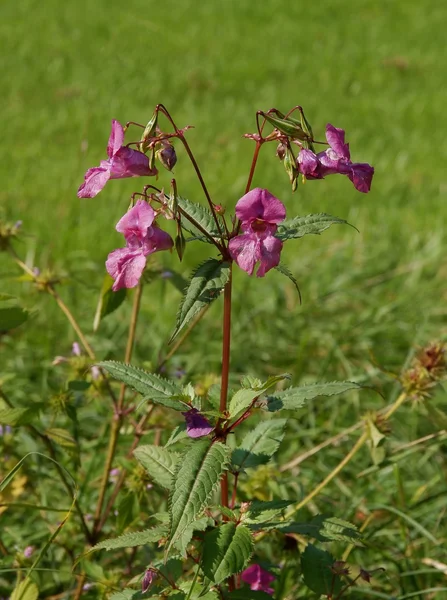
point(28, 552)
point(196, 425)
point(336, 159)
point(76, 349)
point(5, 430)
point(126, 265)
point(258, 578)
point(122, 162)
point(259, 213)
point(148, 579)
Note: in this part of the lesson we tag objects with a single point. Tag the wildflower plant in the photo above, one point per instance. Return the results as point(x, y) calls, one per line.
point(210, 538)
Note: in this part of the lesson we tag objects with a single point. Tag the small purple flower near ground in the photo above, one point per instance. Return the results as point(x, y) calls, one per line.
point(28, 552)
point(259, 212)
point(196, 425)
point(258, 579)
point(336, 159)
point(143, 237)
point(122, 162)
point(148, 579)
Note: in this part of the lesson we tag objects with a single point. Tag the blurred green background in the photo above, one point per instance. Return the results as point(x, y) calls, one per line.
point(374, 68)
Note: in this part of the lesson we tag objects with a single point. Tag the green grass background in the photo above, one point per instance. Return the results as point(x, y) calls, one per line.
point(375, 68)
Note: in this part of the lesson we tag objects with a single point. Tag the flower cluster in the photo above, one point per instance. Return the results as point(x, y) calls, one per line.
point(336, 159)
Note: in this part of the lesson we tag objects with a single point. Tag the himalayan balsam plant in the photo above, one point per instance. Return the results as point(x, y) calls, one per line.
point(207, 538)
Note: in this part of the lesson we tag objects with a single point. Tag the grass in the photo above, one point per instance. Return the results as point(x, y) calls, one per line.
point(373, 68)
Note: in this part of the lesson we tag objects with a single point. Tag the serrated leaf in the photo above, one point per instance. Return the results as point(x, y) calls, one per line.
point(194, 482)
point(198, 525)
point(159, 462)
point(178, 434)
point(201, 215)
point(199, 591)
point(206, 284)
point(260, 512)
point(315, 566)
point(226, 551)
point(326, 528)
point(294, 398)
point(25, 590)
point(154, 387)
point(18, 416)
point(11, 317)
point(285, 271)
point(61, 437)
point(259, 445)
point(310, 224)
point(130, 540)
point(108, 301)
point(245, 396)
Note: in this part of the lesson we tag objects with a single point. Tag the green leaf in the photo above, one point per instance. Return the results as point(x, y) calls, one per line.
point(315, 566)
point(130, 540)
point(206, 284)
point(198, 592)
point(25, 590)
point(11, 317)
point(247, 594)
point(194, 482)
point(259, 445)
point(198, 525)
point(326, 528)
point(128, 510)
point(159, 463)
point(108, 301)
point(129, 594)
point(201, 215)
point(19, 416)
point(61, 437)
point(285, 271)
point(300, 226)
point(260, 512)
point(226, 551)
point(294, 398)
point(77, 385)
point(244, 397)
point(156, 388)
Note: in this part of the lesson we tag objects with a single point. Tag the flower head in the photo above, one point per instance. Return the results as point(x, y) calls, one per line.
point(196, 425)
point(259, 212)
point(142, 237)
point(258, 578)
point(336, 159)
point(148, 579)
point(122, 162)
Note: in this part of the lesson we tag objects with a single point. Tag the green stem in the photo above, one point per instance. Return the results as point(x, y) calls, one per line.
point(194, 581)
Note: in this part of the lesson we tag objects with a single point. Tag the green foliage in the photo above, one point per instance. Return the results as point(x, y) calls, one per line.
point(311, 224)
point(285, 271)
point(247, 594)
point(19, 416)
point(194, 483)
point(316, 568)
point(206, 284)
point(26, 590)
point(245, 396)
point(108, 301)
point(226, 551)
point(259, 445)
point(295, 398)
point(202, 216)
point(130, 540)
point(325, 528)
point(156, 388)
point(260, 512)
point(11, 317)
point(159, 462)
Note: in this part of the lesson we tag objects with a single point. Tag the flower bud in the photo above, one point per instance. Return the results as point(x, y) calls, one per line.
point(180, 242)
point(291, 168)
point(167, 156)
point(148, 579)
point(148, 132)
point(281, 151)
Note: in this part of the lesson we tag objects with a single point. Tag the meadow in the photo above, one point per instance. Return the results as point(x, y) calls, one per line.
point(370, 298)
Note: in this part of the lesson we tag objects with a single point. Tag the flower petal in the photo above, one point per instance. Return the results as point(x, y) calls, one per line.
point(361, 176)
point(156, 240)
point(126, 267)
point(244, 250)
point(308, 164)
point(130, 163)
point(116, 138)
point(94, 180)
point(336, 140)
point(260, 204)
point(258, 578)
point(137, 220)
point(196, 424)
point(270, 250)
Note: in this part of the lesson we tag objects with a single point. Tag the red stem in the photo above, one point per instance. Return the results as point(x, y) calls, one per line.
point(253, 166)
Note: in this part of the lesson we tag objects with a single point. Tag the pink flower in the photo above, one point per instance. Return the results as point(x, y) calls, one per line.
point(336, 159)
point(126, 265)
point(196, 425)
point(258, 578)
point(122, 162)
point(259, 213)
point(148, 578)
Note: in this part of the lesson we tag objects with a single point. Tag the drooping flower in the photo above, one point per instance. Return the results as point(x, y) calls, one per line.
point(336, 159)
point(148, 579)
point(258, 579)
point(259, 212)
point(143, 237)
point(196, 424)
point(122, 162)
